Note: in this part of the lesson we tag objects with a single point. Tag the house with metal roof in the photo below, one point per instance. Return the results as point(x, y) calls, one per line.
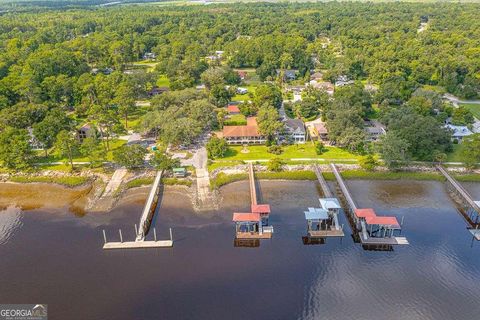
point(295, 130)
point(458, 132)
point(248, 134)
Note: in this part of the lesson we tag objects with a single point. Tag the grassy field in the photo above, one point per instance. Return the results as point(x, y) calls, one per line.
point(474, 109)
point(251, 87)
point(163, 81)
point(114, 144)
point(236, 120)
point(289, 152)
point(456, 155)
point(65, 181)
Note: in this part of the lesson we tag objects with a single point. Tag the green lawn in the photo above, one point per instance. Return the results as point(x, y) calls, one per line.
point(474, 109)
point(163, 81)
point(289, 152)
point(456, 155)
point(236, 120)
point(53, 157)
point(251, 87)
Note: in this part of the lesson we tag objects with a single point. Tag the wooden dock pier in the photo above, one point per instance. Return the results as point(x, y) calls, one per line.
point(372, 230)
point(254, 224)
point(469, 208)
point(323, 222)
point(144, 225)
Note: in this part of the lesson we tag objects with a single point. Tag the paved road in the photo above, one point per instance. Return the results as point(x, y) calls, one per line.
point(456, 100)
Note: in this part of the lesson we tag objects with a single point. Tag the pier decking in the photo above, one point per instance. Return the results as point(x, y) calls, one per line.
point(254, 224)
point(144, 225)
point(469, 208)
point(371, 229)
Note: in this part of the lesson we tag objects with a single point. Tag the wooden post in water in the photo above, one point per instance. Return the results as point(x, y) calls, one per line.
point(136, 230)
point(171, 236)
point(120, 232)
point(104, 236)
point(402, 221)
point(155, 234)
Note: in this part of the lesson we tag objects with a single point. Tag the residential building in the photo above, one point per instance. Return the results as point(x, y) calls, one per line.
point(320, 130)
point(316, 76)
point(374, 130)
point(343, 81)
point(458, 132)
point(157, 90)
point(149, 56)
point(288, 74)
point(295, 130)
point(323, 85)
point(85, 131)
point(242, 75)
point(241, 90)
point(233, 109)
point(33, 141)
point(248, 134)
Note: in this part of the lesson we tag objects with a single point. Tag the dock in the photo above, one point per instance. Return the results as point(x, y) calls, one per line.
point(254, 224)
point(469, 208)
point(371, 230)
point(144, 224)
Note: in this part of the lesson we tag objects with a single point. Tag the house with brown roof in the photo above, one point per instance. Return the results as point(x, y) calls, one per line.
point(320, 131)
point(248, 134)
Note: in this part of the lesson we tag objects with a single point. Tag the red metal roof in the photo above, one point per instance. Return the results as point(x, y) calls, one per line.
point(260, 208)
point(246, 217)
point(233, 109)
point(384, 221)
point(241, 131)
point(363, 213)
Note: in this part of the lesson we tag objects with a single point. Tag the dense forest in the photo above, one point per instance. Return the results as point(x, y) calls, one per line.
point(59, 68)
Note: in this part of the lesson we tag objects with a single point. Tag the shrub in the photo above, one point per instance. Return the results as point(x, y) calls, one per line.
point(275, 164)
point(368, 163)
point(320, 148)
point(275, 149)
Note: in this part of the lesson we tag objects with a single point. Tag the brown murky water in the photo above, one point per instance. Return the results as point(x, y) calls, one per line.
point(52, 256)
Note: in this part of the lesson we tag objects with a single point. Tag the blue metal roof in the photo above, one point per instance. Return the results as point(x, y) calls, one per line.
point(329, 203)
point(316, 214)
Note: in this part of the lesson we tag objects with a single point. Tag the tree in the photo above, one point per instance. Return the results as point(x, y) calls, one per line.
point(46, 131)
point(216, 148)
point(461, 116)
point(67, 146)
point(125, 100)
point(268, 121)
point(92, 148)
point(319, 148)
point(130, 156)
point(213, 77)
point(275, 164)
point(267, 94)
point(15, 150)
point(393, 150)
point(471, 151)
point(220, 95)
point(163, 161)
point(368, 162)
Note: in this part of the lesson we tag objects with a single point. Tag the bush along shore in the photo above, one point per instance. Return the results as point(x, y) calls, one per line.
point(223, 176)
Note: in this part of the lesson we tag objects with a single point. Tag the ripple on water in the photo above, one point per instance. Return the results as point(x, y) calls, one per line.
point(10, 222)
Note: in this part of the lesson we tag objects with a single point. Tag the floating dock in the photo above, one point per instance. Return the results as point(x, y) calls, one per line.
point(372, 230)
point(469, 208)
point(144, 225)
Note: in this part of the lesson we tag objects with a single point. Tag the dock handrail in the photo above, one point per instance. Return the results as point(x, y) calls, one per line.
point(343, 187)
point(321, 180)
point(253, 190)
point(143, 226)
point(459, 188)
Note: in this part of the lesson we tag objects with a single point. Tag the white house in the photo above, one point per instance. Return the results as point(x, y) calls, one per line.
point(295, 130)
point(374, 130)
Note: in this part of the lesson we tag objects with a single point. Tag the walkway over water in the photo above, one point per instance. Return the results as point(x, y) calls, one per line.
point(380, 229)
point(351, 204)
point(144, 225)
point(253, 189)
point(327, 193)
point(470, 209)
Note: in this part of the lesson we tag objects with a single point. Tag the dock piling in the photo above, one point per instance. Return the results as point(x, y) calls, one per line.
point(120, 233)
point(155, 234)
point(171, 236)
point(136, 229)
point(401, 223)
point(104, 236)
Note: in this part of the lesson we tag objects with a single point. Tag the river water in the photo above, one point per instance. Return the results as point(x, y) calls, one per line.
point(53, 256)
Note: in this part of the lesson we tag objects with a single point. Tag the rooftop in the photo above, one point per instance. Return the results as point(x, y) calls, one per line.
point(316, 214)
point(295, 124)
point(383, 221)
point(261, 208)
point(246, 217)
point(459, 131)
point(329, 203)
point(363, 213)
point(233, 108)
